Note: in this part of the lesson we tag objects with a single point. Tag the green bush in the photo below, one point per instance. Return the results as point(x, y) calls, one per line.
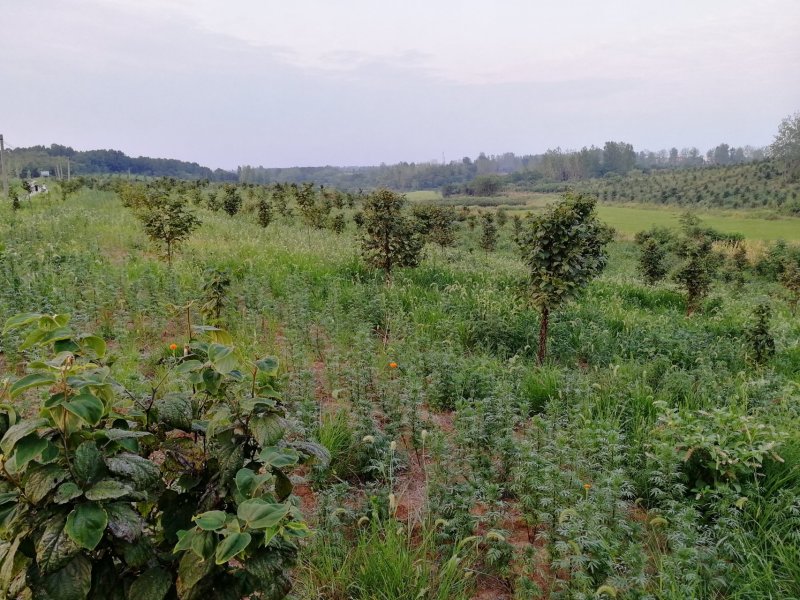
point(88, 511)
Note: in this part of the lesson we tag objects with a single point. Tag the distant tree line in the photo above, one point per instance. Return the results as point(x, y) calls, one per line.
point(486, 174)
point(483, 176)
point(31, 161)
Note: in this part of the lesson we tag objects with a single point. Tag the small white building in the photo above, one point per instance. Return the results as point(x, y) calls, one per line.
point(44, 173)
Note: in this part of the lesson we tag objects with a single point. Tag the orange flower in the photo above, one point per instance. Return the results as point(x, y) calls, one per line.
point(392, 365)
point(587, 486)
point(173, 347)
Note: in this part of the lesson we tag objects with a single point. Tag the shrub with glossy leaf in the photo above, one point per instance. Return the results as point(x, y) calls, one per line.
point(86, 510)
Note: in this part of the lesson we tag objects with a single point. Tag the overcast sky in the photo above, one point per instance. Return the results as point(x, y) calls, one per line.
point(358, 82)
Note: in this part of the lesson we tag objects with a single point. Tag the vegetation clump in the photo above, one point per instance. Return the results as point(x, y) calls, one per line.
point(88, 512)
point(410, 425)
point(390, 239)
point(564, 249)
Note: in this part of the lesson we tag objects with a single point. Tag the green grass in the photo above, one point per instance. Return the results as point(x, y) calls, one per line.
point(508, 446)
point(629, 219)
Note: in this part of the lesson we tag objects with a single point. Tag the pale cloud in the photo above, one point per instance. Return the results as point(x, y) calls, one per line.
point(361, 82)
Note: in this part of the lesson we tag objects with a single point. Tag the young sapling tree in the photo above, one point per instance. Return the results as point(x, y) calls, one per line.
point(390, 239)
point(564, 249)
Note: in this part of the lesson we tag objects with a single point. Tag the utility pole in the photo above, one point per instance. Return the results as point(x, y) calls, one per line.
point(68, 175)
point(3, 173)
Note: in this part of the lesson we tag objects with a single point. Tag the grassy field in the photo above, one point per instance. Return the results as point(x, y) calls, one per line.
point(651, 456)
point(631, 218)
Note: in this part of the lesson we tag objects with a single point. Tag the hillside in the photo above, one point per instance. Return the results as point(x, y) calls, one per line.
point(764, 184)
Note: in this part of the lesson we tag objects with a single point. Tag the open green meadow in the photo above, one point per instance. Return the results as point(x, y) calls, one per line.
point(631, 218)
point(652, 455)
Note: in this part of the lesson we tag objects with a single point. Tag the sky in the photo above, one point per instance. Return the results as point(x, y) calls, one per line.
point(364, 82)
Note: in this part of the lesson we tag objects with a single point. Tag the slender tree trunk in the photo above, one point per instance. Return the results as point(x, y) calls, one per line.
point(544, 324)
point(691, 303)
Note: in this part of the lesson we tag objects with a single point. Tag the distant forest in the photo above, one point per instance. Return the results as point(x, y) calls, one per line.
point(472, 176)
point(484, 175)
point(58, 160)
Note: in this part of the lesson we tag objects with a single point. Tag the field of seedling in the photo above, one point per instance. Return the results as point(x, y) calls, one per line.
point(241, 391)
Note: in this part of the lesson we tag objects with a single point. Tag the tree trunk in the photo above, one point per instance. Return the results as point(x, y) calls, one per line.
point(544, 323)
point(691, 304)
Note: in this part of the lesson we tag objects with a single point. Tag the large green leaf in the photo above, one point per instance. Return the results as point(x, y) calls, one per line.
point(41, 480)
point(124, 522)
point(215, 334)
point(283, 485)
point(259, 514)
point(191, 571)
point(230, 461)
point(279, 457)
point(120, 434)
point(21, 320)
point(34, 337)
point(222, 357)
point(108, 489)
point(141, 471)
point(66, 492)
point(54, 548)
point(267, 429)
point(204, 543)
point(95, 343)
point(247, 482)
point(210, 379)
point(19, 431)
point(88, 462)
point(29, 448)
point(153, 584)
point(9, 497)
point(188, 366)
point(211, 520)
point(185, 539)
point(233, 544)
point(54, 335)
point(70, 583)
point(175, 411)
point(86, 524)
point(31, 381)
point(86, 406)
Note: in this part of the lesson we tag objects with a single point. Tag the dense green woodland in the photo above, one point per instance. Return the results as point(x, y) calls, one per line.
point(287, 391)
point(60, 160)
point(554, 166)
point(465, 174)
